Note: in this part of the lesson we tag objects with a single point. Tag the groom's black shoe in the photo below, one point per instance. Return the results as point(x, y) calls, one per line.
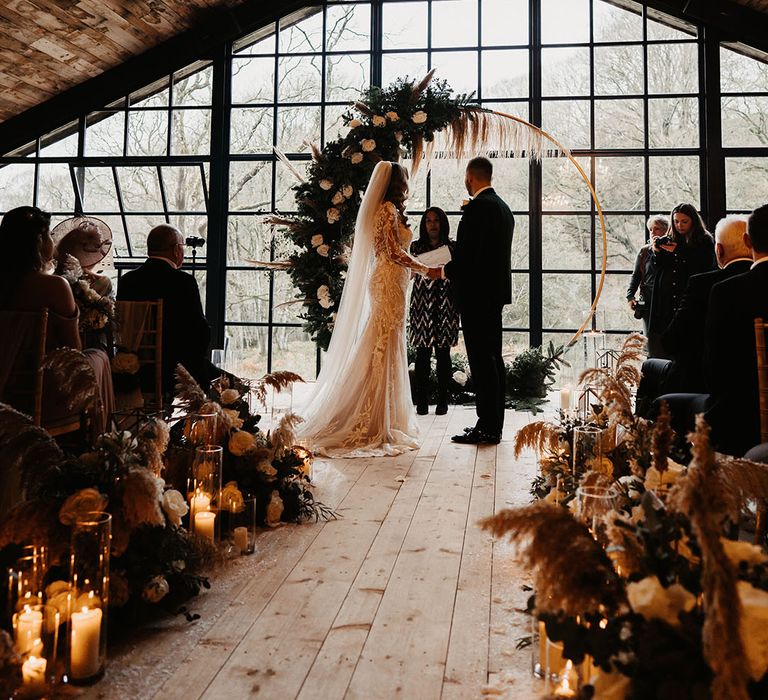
point(473, 436)
point(441, 409)
point(422, 409)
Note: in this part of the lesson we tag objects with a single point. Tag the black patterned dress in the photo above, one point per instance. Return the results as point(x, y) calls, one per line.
point(433, 319)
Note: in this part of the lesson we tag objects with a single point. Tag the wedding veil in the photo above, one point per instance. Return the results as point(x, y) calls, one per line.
point(354, 308)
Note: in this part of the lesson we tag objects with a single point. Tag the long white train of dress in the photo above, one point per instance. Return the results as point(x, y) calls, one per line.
point(370, 412)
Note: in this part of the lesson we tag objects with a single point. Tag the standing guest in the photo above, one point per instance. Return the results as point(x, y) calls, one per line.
point(480, 271)
point(433, 321)
point(186, 334)
point(27, 285)
point(731, 360)
point(643, 274)
point(686, 249)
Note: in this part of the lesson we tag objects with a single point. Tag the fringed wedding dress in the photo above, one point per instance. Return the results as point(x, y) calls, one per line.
point(362, 405)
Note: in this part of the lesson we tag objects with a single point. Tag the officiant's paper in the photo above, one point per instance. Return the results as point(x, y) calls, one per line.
point(435, 258)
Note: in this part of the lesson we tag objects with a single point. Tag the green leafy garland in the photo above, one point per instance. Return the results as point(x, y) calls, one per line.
point(387, 124)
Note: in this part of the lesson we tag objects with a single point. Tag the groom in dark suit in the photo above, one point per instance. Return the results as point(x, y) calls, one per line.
point(186, 334)
point(481, 278)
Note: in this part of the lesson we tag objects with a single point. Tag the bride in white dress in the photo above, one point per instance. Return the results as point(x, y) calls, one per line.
point(361, 405)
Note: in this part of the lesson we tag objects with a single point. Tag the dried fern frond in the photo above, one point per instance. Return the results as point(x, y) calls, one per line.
point(572, 571)
point(25, 449)
point(188, 390)
point(699, 495)
point(743, 479)
point(419, 87)
point(274, 220)
point(539, 436)
point(74, 378)
point(363, 108)
point(317, 155)
point(277, 380)
point(284, 436)
point(623, 538)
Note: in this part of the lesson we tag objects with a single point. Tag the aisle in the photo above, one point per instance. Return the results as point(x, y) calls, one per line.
point(403, 597)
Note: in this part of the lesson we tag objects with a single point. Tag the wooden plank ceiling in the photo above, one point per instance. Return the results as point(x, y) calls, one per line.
point(49, 46)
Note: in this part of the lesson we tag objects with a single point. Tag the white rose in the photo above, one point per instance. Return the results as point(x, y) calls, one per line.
point(379, 121)
point(240, 442)
point(326, 184)
point(738, 552)
point(392, 116)
point(155, 590)
point(333, 215)
point(316, 240)
point(367, 145)
point(354, 123)
point(232, 498)
point(233, 418)
point(229, 396)
point(323, 250)
point(265, 467)
point(84, 501)
point(754, 628)
point(651, 600)
point(347, 191)
point(356, 158)
point(323, 291)
point(338, 198)
point(326, 302)
point(419, 117)
point(174, 506)
point(460, 377)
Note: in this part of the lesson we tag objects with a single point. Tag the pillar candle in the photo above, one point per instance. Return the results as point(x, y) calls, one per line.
point(29, 626)
point(85, 643)
point(199, 502)
point(33, 674)
point(241, 539)
point(204, 524)
point(565, 399)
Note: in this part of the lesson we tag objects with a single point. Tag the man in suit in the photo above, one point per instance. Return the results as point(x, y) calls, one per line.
point(684, 337)
point(481, 278)
point(186, 334)
point(731, 359)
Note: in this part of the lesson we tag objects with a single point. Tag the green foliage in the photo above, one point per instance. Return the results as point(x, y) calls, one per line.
point(530, 376)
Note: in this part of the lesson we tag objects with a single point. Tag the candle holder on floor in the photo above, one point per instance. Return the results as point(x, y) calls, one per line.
point(204, 492)
point(36, 638)
point(89, 597)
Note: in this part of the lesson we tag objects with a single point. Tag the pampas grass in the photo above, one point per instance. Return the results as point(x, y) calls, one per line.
point(699, 495)
point(572, 571)
point(283, 438)
point(277, 380)
point(74, 378)
point(539, 436)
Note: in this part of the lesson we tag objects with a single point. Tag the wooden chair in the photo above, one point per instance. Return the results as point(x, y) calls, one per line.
point(140, 331)
point(762, 388)
point(22, 377)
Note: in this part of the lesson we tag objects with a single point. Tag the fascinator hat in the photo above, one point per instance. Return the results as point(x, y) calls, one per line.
point(84, 237)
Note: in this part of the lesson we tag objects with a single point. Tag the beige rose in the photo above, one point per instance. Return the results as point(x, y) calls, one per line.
point(392, 116)
point(125, 363)
point(174, 506)
point(323, 250)
point(379, 121)
point(738, 552)
point(326, 302)
point(232, 498)
point(155, 590)
point(332, 215)
point(275, 509)
point(651, 600)
point(233, 418)
point(142, 496)
point(316, 240)
point(338, 198)
point(326, 184)
point(354, 123)
point(419, 117)
point(754, 628)
point(347, 191)
point(356, 158)
point(84, 501)
point(229, 396)
point(240, 442)
point(368, 145)
point(265, 467)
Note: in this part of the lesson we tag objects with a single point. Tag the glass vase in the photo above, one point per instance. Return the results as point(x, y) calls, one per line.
point(587, 449)
point(204, 492)
point(242, 519)
point(281, 402)
point(36, 638)
point(593, 503)
point(26, 577)
point(203, 429)
point(89, 597)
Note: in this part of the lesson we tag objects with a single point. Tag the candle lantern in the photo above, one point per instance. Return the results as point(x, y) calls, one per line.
point(242, 518)
point(203, 428)
point(204, 492)
point(594, 346)
point(26, 578)
point(89, 597)
point(36, 638)
point(281, 402)
point(587, 448)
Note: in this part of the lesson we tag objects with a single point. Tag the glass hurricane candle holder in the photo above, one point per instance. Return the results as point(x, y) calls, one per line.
point(281, 402)
point(204, 492)
point(242, 518)
point(26, 577)
point(593, 504)
point(203, 429)
point(587, 449)
point(36, 638)
point(89, 597)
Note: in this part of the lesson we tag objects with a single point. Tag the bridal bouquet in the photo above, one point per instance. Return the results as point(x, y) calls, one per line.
point(97, 311)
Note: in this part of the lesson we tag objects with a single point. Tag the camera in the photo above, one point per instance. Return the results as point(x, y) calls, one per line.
point(195, 242)
point(662, 240)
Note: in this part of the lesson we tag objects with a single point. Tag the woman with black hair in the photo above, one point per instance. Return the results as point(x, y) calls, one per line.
point(434, 321)
point(687, 249)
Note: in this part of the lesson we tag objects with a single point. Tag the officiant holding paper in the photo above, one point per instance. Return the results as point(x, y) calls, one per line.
point(433, 320)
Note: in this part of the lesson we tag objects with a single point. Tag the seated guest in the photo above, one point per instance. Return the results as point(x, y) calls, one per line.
point(28, 285)
point(684, 337)
point(730, 359)
point(89, 243)
point(186, 334)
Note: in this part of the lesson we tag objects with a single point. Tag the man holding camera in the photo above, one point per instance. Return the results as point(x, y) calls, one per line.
point(186, 334)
